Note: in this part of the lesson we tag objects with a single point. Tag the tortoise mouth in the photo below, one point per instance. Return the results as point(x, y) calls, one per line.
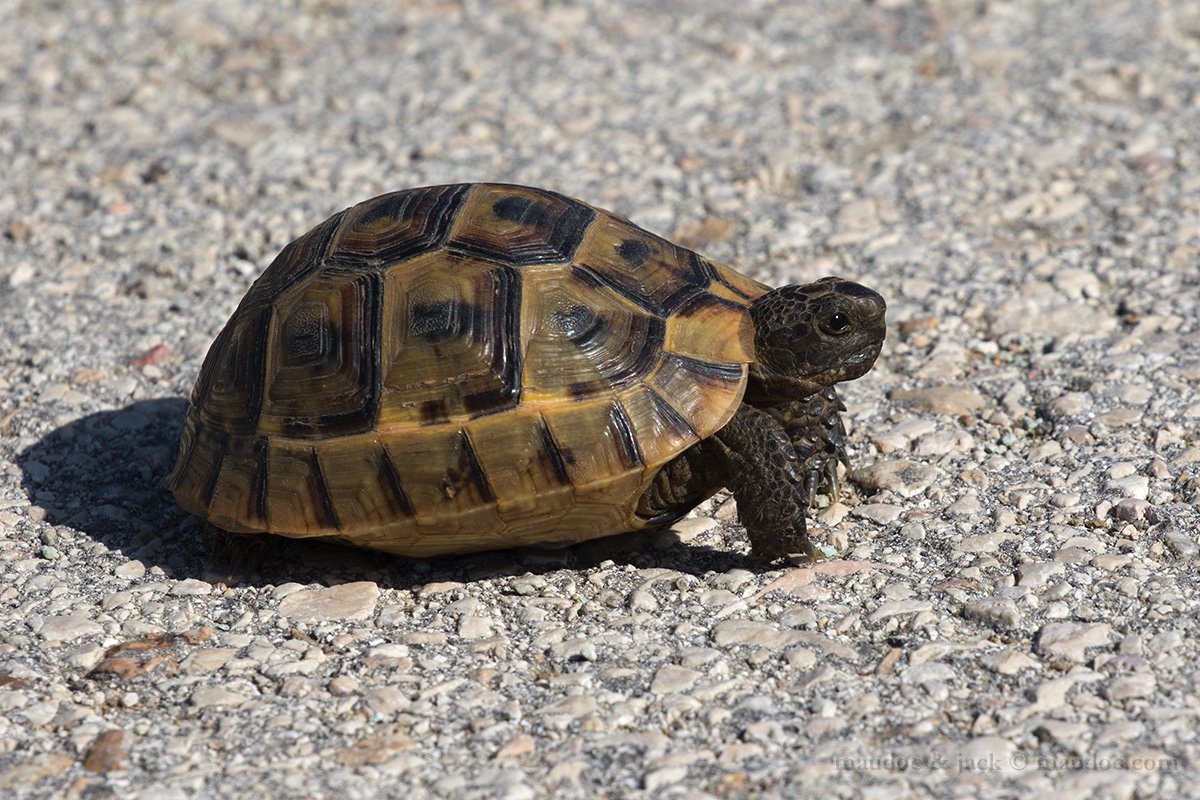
point(859, 357)
point(859, 363)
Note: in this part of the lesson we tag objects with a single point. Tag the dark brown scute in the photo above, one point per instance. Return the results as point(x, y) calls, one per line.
point(434, 412)
point(297, 261)
point(706, 272)
point(672, 418)
point(523, 210)
point(701, 302)
point(542, 227)
point(617, 369)
point(474, 471)
point(329, 517)
point(704, 373)
point(554, 455)
point(578, 323)
point(634, 251)
point(646, 270)
point(210, 483)
point(392, 479)
point(627, 444)
point(261, 471)
point(232, 379)
point(397, 226)
point(348, 374)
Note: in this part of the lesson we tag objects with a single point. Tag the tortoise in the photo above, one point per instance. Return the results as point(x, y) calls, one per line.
point(479, 366)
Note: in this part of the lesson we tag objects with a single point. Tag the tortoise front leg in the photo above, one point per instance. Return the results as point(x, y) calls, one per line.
point(814, 426)
point(768, 479)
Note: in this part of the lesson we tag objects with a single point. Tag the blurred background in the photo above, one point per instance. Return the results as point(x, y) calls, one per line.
point(168, 150)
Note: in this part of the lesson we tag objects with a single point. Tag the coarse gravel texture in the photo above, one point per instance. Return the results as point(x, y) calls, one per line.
point(1012, 608)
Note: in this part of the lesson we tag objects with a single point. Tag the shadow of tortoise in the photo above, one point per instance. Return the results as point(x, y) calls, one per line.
point(104, 475)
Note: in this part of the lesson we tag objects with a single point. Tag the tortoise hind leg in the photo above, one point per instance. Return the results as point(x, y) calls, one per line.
point(689, 479)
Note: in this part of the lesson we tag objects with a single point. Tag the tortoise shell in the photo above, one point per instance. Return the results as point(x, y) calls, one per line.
point(460, 368)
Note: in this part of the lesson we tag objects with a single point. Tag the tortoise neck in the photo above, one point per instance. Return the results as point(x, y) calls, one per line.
point(765, 388)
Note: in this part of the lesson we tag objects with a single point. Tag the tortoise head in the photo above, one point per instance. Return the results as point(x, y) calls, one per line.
point(812, 336)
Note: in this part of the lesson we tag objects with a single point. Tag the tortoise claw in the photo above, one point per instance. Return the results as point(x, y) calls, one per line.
point(811, 485)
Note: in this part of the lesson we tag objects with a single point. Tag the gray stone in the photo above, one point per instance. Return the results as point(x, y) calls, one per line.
point(879, 513)
point(672, 678)
point(953, 400)
point(1000, 613)
point(215, 696)
point(1037, 573)
point(1010, 662)
point(573, 707)
point(1133, 685)
point(1070, 640)
point(190, 587)
point(747, 632)
point(68, 627)
point(905, 478)
point(1181, 544)
point(347, 601)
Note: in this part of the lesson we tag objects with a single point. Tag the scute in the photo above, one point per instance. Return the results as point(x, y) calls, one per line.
point(322, 358)
point(462, 368)
point(451, 329)
point(648, 270)
point(519, 226)
point(393, 227)
point(582, 339)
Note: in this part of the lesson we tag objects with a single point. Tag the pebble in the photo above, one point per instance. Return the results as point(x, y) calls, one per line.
point(516, 748)
point(106, 753)
point(84, 657)
point(190, 587)
point(1070, 641)
point(1133, 486)
point(899, 607)
point(747, 632)
point(902, 476)
point(68, 627)
point(208, 659)
point(569, 707)
point(984, 542)
point(1131, 510)
point(1136, 684)
point(1010, 662)
point(879, 513)
point(1035, 574)
point(686, 530)
point(1181, 544)
point(1000, 613)
point(343, 685)
point(1119, 732)
point(470, 626)
point(385, 700)
point(347, 601)
point(671, 678)
point(130, 570)
point(215, 697)
point(658, 780)
point(951, 400)
point(984, 755)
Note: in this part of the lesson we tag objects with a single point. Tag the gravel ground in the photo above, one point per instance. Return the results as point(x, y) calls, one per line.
point(1013, 607)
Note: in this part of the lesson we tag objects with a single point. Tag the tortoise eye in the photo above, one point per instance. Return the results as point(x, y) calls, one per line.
point(837, 324)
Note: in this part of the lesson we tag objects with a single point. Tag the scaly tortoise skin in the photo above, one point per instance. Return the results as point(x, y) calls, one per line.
point(480, 366)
